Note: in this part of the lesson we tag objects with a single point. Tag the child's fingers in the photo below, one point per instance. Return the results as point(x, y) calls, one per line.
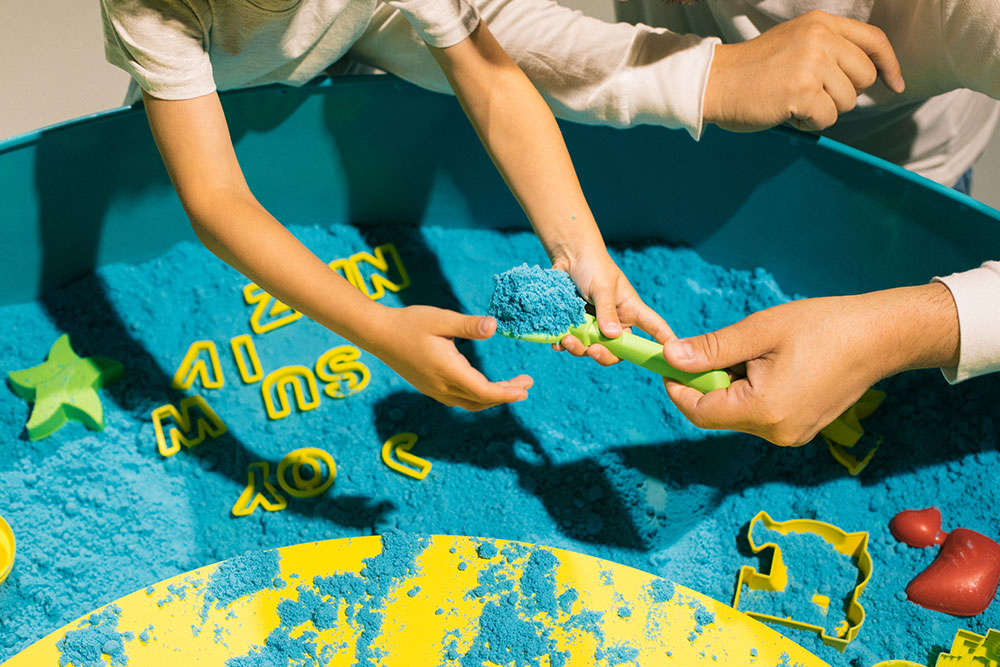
point(602, 355)
point(606, 311)
point(474, 391)
point(572, 345)
point(471, 327)
point(650, 321)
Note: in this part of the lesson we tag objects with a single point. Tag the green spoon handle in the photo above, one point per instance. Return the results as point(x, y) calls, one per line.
point(649, 354)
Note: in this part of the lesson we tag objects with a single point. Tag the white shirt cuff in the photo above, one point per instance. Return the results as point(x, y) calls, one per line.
point(977, 297)
point(675, 87)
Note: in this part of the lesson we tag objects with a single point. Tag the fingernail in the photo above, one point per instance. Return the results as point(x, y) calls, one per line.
point(484, 326)
point(682, 350)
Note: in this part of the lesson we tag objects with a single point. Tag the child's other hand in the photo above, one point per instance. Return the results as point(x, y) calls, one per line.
point(418, 342)
point(616, 305)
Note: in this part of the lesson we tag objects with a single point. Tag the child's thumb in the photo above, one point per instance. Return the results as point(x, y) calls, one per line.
point(474, 327)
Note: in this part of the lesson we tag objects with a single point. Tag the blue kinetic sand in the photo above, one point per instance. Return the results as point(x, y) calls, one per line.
point(529, 300)
point(814, 567)
point(99, 515)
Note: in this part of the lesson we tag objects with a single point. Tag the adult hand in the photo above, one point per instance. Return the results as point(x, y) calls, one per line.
point(615, 301)
point(803, 363)
point(807, 71)
point(418, 342)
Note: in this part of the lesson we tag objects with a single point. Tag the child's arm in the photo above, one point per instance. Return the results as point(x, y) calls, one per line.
point(521, 135)
point(417, 342)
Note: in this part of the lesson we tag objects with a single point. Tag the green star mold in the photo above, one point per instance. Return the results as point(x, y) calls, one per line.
point(63, 388)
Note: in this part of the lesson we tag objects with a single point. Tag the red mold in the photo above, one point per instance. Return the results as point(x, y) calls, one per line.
point(963, 578)
point(918, 528)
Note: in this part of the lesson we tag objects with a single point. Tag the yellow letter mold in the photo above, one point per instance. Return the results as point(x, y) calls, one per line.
point(244, 350)
point(207, 425)
point(296, 377)
point(192, 366)
point(850, 544)
point(268, 313)
point(253, 495)
point(341, 370)
point(351, 270)
point(317, 482)
point(403, 443)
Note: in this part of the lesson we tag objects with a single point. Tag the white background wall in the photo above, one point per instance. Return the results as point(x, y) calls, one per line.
point(52, 69)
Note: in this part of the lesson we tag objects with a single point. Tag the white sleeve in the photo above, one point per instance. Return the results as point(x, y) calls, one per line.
point(588, 70)
point(440, 23)
point(977, 297)
point(969, 30)
point(161, 44)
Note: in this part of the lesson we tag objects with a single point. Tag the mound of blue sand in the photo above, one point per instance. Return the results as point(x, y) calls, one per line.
point(530, 300)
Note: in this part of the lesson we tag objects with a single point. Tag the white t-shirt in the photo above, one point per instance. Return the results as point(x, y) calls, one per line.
point(179, 49)
point(937, 127)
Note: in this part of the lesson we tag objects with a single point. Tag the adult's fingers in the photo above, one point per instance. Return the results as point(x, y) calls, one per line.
point(729, 408)
point(856, 64)
point(841, 90)
point(876, 46)
point(817, 112)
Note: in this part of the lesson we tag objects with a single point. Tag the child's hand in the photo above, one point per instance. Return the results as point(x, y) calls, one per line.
point(418, 343)
point(616, 305)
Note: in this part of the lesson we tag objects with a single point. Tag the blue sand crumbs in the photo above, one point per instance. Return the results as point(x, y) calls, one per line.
point(486, 550)
point(97, 636)
point(531, 300)
point(814, 566)
point(566, 600)
point(618, 655)
point(361, 596)
point(239, 577)
point(101, 514)
point(661, 591)
point(519, 593)
point(702, 616)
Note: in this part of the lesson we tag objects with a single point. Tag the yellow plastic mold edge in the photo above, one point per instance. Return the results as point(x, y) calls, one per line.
point(401, 444)
point(849, 544)
point(8, 549)
point(968, 649)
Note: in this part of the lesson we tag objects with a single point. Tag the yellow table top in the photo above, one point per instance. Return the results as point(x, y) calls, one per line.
point(435, 612)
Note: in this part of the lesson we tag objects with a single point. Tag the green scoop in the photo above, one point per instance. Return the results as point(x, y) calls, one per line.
point(640, 351)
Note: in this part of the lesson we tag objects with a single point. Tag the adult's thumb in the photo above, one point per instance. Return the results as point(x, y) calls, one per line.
point(717, 349)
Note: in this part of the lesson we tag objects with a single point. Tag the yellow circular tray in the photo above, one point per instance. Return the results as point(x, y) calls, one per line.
point(414, 633)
